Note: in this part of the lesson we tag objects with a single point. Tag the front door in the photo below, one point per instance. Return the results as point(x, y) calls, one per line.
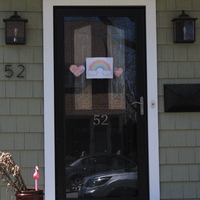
point(100, 102)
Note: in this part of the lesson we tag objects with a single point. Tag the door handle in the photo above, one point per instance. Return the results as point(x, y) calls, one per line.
point(141, 103)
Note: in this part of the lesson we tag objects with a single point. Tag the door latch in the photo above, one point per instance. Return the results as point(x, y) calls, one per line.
point(141, 103)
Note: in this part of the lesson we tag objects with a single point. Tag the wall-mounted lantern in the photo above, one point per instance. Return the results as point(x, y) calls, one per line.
point(15, 29)
point(184, 28)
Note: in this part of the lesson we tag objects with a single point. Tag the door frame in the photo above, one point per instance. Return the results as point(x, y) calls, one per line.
point(152, 102)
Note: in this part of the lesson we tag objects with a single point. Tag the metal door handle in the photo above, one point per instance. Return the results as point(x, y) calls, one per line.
point(141, 103)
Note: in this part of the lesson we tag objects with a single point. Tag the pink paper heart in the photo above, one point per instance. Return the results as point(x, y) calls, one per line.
point(118, 71)
point(77, 71)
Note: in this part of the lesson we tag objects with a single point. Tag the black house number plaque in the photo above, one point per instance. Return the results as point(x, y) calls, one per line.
point(10, 71)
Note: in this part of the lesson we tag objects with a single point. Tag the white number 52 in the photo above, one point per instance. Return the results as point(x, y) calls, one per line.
point(100, 120)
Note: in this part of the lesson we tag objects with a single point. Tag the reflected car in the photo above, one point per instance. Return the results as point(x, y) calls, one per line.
point(119, 183)
point(88, 165)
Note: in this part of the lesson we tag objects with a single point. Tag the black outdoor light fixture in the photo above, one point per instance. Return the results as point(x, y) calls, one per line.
point(184, 28)
point(15, 29)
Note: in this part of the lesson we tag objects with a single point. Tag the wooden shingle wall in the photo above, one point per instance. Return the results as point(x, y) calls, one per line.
point(21, 99)
point(179, 133)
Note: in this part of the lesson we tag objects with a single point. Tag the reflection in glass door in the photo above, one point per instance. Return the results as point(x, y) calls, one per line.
point(101, 92)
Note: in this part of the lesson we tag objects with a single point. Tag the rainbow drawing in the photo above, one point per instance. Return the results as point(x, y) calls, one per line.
point(99, 67)
point(99, 64)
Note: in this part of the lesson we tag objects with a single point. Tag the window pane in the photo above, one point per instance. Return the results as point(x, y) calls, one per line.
point(100, 120)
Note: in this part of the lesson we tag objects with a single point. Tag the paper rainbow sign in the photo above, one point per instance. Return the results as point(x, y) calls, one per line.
point(99, 64)
point(99, 67)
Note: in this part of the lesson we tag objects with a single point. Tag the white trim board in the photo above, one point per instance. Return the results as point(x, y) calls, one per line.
point(151, 88)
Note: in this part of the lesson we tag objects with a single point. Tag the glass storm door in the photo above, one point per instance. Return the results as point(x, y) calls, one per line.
point(100, 103)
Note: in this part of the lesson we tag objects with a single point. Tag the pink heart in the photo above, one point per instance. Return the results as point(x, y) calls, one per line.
point(118, 71)
point(77, 71)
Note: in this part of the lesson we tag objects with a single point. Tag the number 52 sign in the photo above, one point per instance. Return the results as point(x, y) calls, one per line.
point(9, 71)
point(101, 120)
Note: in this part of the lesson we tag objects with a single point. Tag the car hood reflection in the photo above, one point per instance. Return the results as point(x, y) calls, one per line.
point(118, 183)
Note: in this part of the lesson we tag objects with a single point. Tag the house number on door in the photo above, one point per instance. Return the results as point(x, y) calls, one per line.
point(100, 120)
point(10, 72)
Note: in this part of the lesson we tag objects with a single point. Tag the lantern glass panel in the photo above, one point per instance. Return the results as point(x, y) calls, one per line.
point(178, 31)
point(184, 31)
point(15, 32)
point(188, 30)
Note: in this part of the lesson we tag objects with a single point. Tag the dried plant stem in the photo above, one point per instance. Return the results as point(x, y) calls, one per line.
point(10, 173)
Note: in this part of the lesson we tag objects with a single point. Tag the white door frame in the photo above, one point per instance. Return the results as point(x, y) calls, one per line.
point(152, 106)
